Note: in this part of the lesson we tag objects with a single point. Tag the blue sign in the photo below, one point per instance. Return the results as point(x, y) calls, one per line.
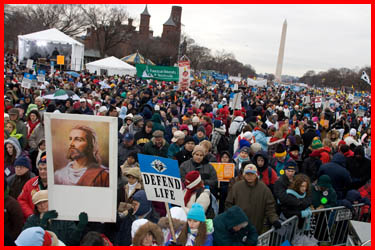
point(29, 76)
point(41, 72)
point(161, 179)
point(52, 63)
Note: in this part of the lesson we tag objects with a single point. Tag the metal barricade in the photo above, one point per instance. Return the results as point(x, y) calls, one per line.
point(328, 226)
point(275, 237)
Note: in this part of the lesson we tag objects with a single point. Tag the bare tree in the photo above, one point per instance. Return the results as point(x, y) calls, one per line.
point(107, 23)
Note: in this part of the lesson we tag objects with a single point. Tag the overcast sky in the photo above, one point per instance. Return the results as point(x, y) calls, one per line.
point(319, 37)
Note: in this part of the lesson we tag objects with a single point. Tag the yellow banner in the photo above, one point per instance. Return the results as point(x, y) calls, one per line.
point(60, 60)
point(224, 171)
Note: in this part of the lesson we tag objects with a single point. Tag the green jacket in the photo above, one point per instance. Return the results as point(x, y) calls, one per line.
point(173, 150)
point(224, 235)
point(318, 196)
point(156, 123)
point(66, 231)
point(150, 149)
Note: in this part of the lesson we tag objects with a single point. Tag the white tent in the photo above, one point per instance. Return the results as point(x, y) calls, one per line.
point(111, 66)
point(44, 42)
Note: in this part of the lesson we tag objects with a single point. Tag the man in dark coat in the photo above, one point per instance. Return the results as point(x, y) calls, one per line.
point(186, 153)
point(125, 147)
point(232, 228)
point(359, 168)
point(158, 146)
point(340, 177)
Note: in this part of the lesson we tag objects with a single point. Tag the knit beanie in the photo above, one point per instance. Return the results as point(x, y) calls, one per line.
point(196, 212)
point(245, 149)
point(136, 225)
point(137, 118)
point(316, 143)
point(244, 143)
point(178, 213)
point(40, 196)
point(37, 236)
point(255, 148)
point(192, 179)
point(280, 150)
point(294, 147)
point(144, 204)
point(217, 123)
point(43, 159)
point(352, 132)
point(201, 128)
point(237, 113)
point(195, 119)
point(199, 148)
point(22, 161)
point(189, 138)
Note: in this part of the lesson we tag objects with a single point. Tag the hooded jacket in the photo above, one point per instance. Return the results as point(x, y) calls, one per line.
point(178, 221)
point(261, 138)
point(156, 120)
point(317, 195)
point(340, 177)
point(9, 167)
point(236, 125)
point(359, 168)
point(224, 235)
point(257, 202)
point(264, 172)
point(142, 231)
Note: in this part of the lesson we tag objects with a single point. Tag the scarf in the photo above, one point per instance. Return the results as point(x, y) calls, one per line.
point(189, 192)
point(132, 187)
point(31, 126)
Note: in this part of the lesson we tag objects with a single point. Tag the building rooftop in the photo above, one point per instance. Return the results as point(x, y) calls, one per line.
point(170, 22)
point(145, 12)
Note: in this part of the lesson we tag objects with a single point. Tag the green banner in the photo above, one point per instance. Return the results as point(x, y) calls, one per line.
point(161, 73)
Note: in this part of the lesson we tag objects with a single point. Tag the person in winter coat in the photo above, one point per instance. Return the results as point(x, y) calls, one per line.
point(233, 228)
point(141, 209)
point(156, 120)
point(307, 138)
point(323, 194)
point(352, 138)
point(340, 177)
point(255, 198)
point(216, 137)
point(144, 136)
point(13, 219)
point(196, 231)
point(206, 170)
point(36, 135)
point(200, 135)
point(35, 155)
point(359, 168)
point(137, 124)
point(125, 194)
point(37, 236)
point(125, 147)
point(298, 190)
point(334, 136)
point(67, 231)
point(243, 156)
point(177, 141)
point(93, 238)
point(186, 152)
point(265, 172)
point(14, 115)
point(322, 152)
point(22, 174)
point(179, 219)
point(195, 191)
point(207, 123)
point(12, 150)
point(158, 146)
point(207, 145)
point(32, 121)
point(146, 233)
point(280, 159)
point(260, 135)
point(11, 130)
point(31, 187)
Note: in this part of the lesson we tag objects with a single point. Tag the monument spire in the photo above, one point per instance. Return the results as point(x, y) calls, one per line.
point(280, 58)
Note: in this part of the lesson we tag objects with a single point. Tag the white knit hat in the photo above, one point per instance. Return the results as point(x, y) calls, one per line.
point(137, 224)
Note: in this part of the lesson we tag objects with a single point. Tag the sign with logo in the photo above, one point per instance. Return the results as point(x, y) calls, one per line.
point(161, 73)
point(41, 75)
point(161, 179)
point(60, 60)
point(318, 101)
point(184, 74)
point(224, 171)
point(28, 81)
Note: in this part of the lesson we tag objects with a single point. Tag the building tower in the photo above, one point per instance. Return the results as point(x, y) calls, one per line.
point(144, 27)
point(280, 58)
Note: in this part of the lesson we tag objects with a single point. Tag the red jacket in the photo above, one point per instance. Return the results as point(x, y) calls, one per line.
point(25, 198)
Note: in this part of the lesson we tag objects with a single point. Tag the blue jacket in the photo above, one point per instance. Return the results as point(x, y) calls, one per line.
point(261, 138)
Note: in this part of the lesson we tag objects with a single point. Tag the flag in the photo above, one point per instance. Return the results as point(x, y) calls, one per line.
point(365, 77)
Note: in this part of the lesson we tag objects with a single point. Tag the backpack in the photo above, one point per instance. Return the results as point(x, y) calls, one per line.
point(213, 209)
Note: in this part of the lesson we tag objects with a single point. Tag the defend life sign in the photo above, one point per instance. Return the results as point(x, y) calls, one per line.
point(161, 179)
point(184, 74)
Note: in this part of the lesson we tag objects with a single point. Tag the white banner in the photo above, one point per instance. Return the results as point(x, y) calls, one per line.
point(29, 63)
point(72, 139)
point(258, 83)
point(234, 78)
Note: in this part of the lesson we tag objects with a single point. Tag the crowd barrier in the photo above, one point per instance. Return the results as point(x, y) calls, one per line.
point(327, 226)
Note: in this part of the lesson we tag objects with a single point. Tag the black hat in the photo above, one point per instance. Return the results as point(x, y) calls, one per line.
point(290, 165)
point(264, 126)
point(294, 147)
point(188, 139)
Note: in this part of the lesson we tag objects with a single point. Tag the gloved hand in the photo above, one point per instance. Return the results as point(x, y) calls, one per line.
point(83, 220)
point(276, 224)
point(306, 213)
point(52, 214)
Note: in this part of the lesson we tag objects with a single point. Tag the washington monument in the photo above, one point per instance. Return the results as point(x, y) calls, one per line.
point(280, 58)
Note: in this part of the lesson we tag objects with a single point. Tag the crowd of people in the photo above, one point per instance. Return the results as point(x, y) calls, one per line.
point(290, 157)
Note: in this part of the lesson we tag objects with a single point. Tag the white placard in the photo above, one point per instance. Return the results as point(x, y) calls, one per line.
point(97, 200)
point(29, 63)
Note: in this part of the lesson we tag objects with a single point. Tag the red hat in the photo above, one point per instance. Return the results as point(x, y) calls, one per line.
point(192, 179)
point(342, 142)
point(237, 113)
point(184, 127)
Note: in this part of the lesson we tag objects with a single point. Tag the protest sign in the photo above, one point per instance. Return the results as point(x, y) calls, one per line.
point(258, 83)
point(28, 81)
point(224, 171)
point(94, 191)
point(29, 63)
point(161, 73)
point(60, 60)
point(318, 101)
point(184, 74)
point(161, 179)
point(41, 76)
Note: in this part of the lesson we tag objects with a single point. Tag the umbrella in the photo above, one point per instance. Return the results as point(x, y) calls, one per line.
point(137, 58)
point(62, 94)
point(74, 74)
